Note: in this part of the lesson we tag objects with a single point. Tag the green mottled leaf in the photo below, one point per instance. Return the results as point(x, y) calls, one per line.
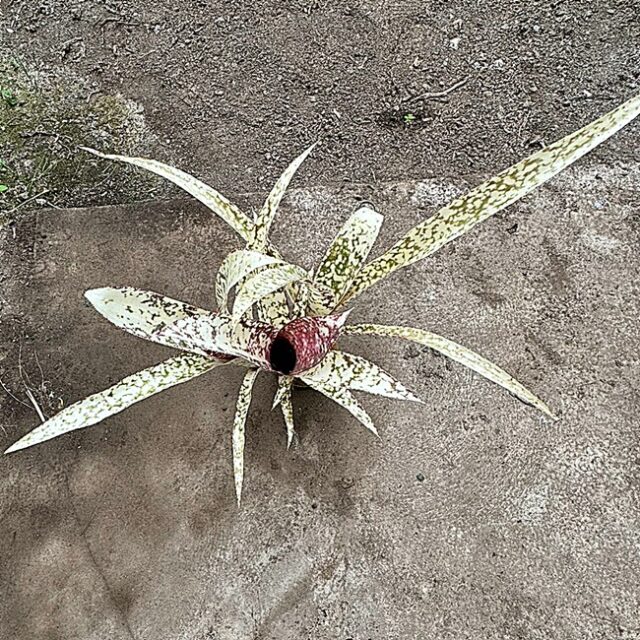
point(220, 336)
point(235, 267)
point(267, 214)
point(283, 398)
point(215, 201)
point(274, 308)
point(349, 371)
point(261, 284)
point(347, 254)
point(239, 421)
point(128, 391)
point(458, 353)
point(284, 385)
point(142, 313)
point(512, 184)
point(344, 398)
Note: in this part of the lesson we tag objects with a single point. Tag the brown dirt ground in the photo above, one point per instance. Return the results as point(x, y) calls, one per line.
point(233, 90)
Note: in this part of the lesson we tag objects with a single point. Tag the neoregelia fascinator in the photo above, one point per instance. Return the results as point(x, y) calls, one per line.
point(276, 317)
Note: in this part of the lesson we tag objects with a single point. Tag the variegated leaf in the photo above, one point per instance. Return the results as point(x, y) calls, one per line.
point(492, 196)
point(123, 394)
point(317, 298)
point(215, 201)
point(284, 385)
point(239, 421)
point(347, 370)
point(347, 254)
point(262, 283)
point(235, 267)
point(268, 212)
point(283, 397)
point(345, 399)
point(458, 353)
point(274, 308)
point(219, 336)
point(143, 313)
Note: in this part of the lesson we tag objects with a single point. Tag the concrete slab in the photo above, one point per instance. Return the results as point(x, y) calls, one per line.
point(521, 528)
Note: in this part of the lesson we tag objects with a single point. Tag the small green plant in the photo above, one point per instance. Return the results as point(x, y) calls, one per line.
point(409, 118)
point(276, 317)
point(8, 97)
point(3, 188)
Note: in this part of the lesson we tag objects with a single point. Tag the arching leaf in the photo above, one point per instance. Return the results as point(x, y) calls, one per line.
point(458, 353)
point(143, 313)
point(267, 214)
point(492, 196)
point(239, 421)
point(340, 369)
point(235, 267)
point(344, 398)
point(262, 283)
point(347, 253)
point(121, 395)
point(215, 201)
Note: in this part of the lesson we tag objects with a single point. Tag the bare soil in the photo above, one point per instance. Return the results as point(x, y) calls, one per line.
point(233, 90)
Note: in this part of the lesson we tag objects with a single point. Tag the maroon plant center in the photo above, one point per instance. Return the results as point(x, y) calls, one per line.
point(303, 343)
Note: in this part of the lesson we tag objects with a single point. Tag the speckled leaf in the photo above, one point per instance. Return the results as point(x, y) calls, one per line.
point(340, 369)
point(261, 284)
point(142, 313)
point(217, 335)
point(239, 421)
point(128, 391)
point(235, 267)
point(458, 353)
point(492, 196)
point(284, 384)
point(345, 399)
point(274, 308)
point(311, 299)
point(347, 254)
point(283, 398)
point(267, 214)
point(215, 201)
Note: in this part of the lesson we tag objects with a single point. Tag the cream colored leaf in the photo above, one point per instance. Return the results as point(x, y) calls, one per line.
point(347, 253)
point(283, 398)
point(458, 353)
point(143, 313)
point(261, 284)
point(239, 421)
point(215, 201)
point(235, 267)
point(121, 395)
point(267, 214)
point(349, 371)
point(344, 398)
point(492, 196)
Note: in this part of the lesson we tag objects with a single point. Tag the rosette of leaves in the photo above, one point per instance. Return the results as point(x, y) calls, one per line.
point(276, 317)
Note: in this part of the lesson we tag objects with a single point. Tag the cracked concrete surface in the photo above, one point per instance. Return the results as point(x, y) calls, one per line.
point(472, 517)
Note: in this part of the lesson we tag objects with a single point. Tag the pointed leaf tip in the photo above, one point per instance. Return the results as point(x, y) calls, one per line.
point(15, 447)
point(239, 421)
point(117, 398)
point(457, 352)
point(492, 196)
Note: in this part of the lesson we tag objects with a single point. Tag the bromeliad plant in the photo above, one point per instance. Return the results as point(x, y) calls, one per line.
point(276, 317)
